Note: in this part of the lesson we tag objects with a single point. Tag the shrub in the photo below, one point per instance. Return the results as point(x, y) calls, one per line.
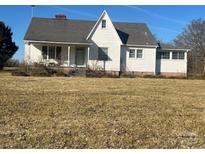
point(94, 73)
point(31, 70)
point(22, 70)
point(150, 76)
point(111, 75)
point(196, 76)
point(12, 63)
point(127, 75)
point(62, 73)
point(19, 73)
point(39, 70)
point(100, 74)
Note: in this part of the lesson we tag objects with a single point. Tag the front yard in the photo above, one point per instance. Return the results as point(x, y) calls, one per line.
point(66, 112)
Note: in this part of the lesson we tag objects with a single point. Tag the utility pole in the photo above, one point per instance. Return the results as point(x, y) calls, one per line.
point(32, 7)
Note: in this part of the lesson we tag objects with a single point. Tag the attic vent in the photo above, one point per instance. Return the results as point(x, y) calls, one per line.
point(60, 16)
point(145, 33)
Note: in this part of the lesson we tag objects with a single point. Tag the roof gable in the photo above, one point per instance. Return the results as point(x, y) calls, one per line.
point(103, 15)
point(96, 24)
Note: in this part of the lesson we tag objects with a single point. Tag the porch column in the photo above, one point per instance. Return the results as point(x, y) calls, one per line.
point(171, 53)
point(68, 55)
point(88, 55)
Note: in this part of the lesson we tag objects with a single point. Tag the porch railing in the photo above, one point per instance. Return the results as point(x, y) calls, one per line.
point(54, 62)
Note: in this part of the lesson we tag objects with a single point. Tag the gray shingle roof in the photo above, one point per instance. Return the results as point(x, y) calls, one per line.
point(68, 30)
point(169, 47)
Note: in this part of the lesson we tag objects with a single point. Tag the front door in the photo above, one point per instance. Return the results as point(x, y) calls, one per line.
point(80, 57)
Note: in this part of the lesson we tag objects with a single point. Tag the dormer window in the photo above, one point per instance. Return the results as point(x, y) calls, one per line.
point(103, 23)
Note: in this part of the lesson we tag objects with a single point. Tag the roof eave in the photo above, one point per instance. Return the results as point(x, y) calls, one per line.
point(56, 42)
point(92, 30)
point(175, 49)
point(140, 45)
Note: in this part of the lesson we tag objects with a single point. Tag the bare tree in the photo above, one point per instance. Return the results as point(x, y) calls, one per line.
point(193, 37)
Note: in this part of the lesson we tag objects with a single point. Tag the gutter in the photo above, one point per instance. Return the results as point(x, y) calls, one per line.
point(51, 42)
point(175, 49)
point(135, 45)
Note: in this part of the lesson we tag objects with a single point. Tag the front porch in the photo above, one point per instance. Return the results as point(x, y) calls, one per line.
point(63, 55)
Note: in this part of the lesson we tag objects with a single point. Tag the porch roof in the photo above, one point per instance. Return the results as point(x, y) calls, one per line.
point(170, 47)
point(61, 43)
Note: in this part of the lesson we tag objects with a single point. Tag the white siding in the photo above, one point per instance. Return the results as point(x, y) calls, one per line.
point(33, 53)
point(172, 65)
point(145, 64)
point(105, 37)
point(27, 52)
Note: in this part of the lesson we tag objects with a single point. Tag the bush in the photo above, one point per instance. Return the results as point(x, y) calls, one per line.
point(92, 73)
point(100, 74)
point(127, 75)
point(39, 70)
point(12, 63)
point(151, 76)
point(19, 73)
point(22, 70)
point(196, 76)
point(31, 70)
point(61, 73)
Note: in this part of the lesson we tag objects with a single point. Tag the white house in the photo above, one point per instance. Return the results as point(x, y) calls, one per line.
point(103, 44)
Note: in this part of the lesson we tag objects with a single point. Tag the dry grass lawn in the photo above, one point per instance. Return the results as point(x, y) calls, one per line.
point(63, 112)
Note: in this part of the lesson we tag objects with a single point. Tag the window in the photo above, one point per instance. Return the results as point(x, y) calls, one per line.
point(139, 53)
point(103, 54)
point(181, 55)
point(177, 55)
point(44, 52)
point(132, 53)
point(51, 52)
point(164, 55)
point(103, 23)
point(58, 52)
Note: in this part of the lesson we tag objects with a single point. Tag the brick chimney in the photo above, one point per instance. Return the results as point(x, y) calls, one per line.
point(60, 16)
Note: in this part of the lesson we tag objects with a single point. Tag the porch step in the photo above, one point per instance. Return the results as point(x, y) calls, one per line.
point(77, 72)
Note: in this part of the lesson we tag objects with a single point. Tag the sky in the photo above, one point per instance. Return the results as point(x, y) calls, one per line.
point(165, 22)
